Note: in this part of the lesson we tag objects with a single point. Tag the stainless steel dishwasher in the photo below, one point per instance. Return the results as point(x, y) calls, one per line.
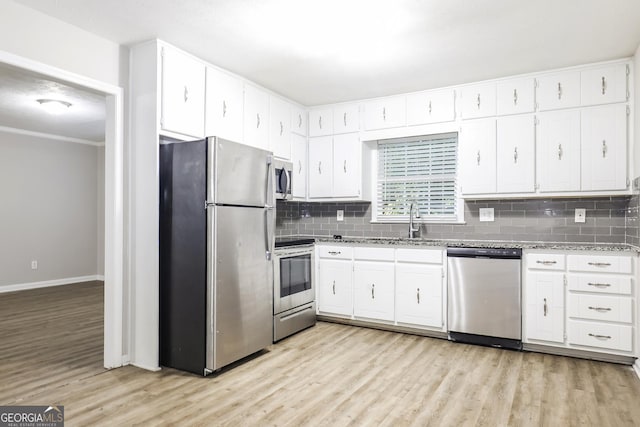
point(484, 296)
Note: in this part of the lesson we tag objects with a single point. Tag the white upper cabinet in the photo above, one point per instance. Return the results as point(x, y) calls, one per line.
point(300, 166)
point(515, 96)
point(556, 91)
point(604, 148)
point(346, 118)
point(478, 157)
point(223, 106)
point(559, 151)
point(256, 117)
point(515, 154)
point(320, 122)
point(320, 167)
point(385, 113)
point(346, 165)
point(280, 127)
point(434, 106)
point(298, 121)
point(183, 86)
point(604, 85)
point(478, 101)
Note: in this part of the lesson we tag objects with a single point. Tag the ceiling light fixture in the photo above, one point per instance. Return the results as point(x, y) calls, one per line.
point(54, 106)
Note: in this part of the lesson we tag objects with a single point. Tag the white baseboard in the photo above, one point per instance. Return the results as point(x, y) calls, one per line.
point(48, 283)
point(636, 367)
point(100, 277)
point(148, 368)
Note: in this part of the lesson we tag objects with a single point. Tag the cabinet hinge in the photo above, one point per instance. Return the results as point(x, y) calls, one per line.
point(162, 52)
point(628, 108)
point(628, 182)
point(537, 186)
point(564, 279)
point(535, 83)
point(564, 336)
point(161, 122)
point(628, 70)
point(442, 272)
point(536, 120)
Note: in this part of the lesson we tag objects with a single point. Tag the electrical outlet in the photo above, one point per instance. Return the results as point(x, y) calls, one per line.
point(581, 215)
point(486, 214)
point(34, 264)
point(340, 215)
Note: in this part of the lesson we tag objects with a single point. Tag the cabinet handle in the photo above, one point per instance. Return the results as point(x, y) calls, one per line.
point(546, 262)
point(515, 97)
point(604, 85)
point(599, 264)
point(299, 166)
point(478, 158)
point(478, 101)
point(599, 285)
point(281, 129)
point(559, 90)
point(320, 168)
point(320, 122)
point(602, 337)
point(299, 120)
point(186, 94)
point(418, 295)
point(599, 308)
point(373, 291)
point(258, 120)
point(224, 108)
point(429, 107)
point(344, 166)
point(384, 113)
point(604, 148)
point(560, 152)
point(515, 154)
point(344, 119)
point(334, 287)
point(544, 308)
point(334, 252)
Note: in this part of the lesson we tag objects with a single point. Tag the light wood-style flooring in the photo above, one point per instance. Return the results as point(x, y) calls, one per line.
point(329, 375)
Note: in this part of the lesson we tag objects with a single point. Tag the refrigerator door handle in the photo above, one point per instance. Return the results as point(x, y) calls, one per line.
point(267, 232)
point(269, 190)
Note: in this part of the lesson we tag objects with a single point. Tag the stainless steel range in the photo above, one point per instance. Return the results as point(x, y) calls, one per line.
point(294, 305)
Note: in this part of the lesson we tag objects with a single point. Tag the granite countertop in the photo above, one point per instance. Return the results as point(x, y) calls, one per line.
point(604, 247)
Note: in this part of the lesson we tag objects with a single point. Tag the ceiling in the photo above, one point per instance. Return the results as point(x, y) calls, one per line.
point(19, 109)
point(324, 51)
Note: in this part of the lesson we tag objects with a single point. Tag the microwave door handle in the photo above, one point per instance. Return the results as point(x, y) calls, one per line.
point(287, 186)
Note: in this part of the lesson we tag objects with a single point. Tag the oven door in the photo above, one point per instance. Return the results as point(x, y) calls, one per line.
point(293, 274)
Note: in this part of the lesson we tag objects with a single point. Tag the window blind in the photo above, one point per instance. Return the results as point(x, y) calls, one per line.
point(420, 170)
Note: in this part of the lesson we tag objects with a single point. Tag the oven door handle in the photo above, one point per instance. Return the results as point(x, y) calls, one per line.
point(296, 313)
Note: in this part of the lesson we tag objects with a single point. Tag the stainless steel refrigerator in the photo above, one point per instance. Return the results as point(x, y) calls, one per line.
point(216, 241)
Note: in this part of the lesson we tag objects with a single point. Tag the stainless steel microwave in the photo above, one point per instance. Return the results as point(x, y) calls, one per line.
point(283, 179)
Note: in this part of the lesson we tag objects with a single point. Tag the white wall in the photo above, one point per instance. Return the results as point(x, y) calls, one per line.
point(636, 117)
point(48, 210)
point(100, 210)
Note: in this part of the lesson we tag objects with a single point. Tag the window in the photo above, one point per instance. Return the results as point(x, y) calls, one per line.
point(421, 170)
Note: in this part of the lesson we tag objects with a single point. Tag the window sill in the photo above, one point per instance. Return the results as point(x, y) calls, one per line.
point(443, 222)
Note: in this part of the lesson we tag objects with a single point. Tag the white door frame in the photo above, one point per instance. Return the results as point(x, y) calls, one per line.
point(114, 197)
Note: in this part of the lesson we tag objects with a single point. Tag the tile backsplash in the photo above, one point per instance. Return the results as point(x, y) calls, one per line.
point(608, 220)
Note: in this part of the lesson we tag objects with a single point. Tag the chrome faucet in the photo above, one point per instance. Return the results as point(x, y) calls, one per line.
point(412, 229)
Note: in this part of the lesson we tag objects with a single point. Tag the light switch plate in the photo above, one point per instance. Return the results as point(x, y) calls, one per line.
point(340, 215)
point(581, 215)
point(486, 214)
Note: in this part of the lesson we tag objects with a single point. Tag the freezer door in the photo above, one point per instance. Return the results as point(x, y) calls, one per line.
point(240, 283)
point(239, 174)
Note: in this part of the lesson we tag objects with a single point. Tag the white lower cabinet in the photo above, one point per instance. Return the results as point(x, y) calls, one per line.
point(335, 288)
point(373, 289)
point(419, 294)
point(544, 310)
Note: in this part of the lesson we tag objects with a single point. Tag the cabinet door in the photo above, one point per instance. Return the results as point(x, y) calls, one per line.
point(419, 294)
point(299, 121)
point(385, 113)
point(335, 288)
point(478, 157)
point(478, 101)
point(280, 127)
point(320, 122)
point(559, 151)
point(256, 117)
point(545, 306)
point(346, 118)
point(434, 106)
point(556, 91)
point(373, 290)
point(223, 106)
point(299, 160)
point(604, 85)
point(183, 83)
point(515, 154)
point(346, 165)
point(320, 167)
point(604, 148)
point(515, 96)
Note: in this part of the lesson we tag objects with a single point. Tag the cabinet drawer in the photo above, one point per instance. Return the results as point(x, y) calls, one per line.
point(546, 261)
point(430, 256)
point(600, 307)
point(478, 101)
point(600, 263)
point(373, 254)
point(515, 96)
point(593, 334)
point(335, 252)
point(600, 283)
point(604, 85)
